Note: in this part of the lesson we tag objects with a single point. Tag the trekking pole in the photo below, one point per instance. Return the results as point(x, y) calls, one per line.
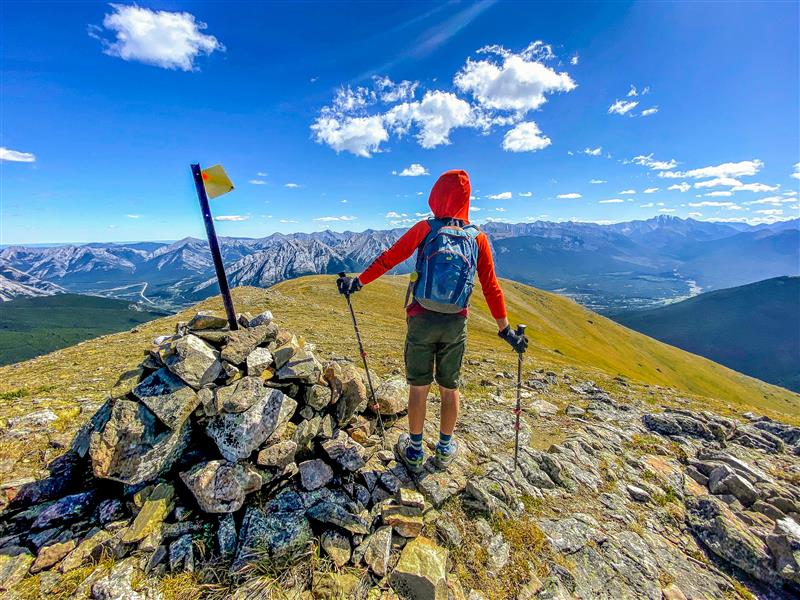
point(518, 409)
point(375, 406)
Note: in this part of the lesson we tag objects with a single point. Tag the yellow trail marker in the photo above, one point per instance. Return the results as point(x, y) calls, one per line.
point(216, 181)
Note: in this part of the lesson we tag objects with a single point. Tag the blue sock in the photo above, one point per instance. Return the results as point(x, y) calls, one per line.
point(414, 450)
point(444, 443)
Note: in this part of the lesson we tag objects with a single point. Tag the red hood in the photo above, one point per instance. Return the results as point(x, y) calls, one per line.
point(450, 196)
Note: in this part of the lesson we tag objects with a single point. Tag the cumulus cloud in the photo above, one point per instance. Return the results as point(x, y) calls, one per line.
point(257, 182)
point(435, 116)
point(770, 211)
point(232, 218)
point(754, 187)
point(341, 218)
point(413, 170)
point(261, 174)
point(649, 111)
point(719, 193)
point(651, 190)
point(389, 92)
point(681, 187)
point(361, 136)
point(500, 196)
point(593, 151)
point(525, 194)
point(395, 215)
point(574, 60)
point(796, 172)
point(170, 40)
point(505, 80)
point(611, 201)
point(772, 200)
point(621, 107)
point(666, 210)
point(718, 181)
point(16, 156)
point(525, 137)
point(647, 160)
point(570, 196)
point(743, 168)
point(627, 192)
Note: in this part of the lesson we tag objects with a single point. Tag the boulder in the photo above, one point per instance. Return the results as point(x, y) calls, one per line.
point(301, 366)
point(154, 510)
point(258, 361)
point(65, 510)
point(335, 586)
point(237, 435)
point(194, 361)
point(784, 543)
point(243, 341)
point(421, 572)
point(392, 396)
point(206, 319)
point(724, 534)
point(227, 536)
point(170, 399)
point(318, 396)
point(337, 546)
point(132, 447)
point(239, 396)
point(13, 567)
point(378, 549)
point(543, 408)
point(335, 514)
point(119, 583)
point(90, 548)
point(348, 391)
point(181, 554)
point(278, 455)
point(276, 533)
point(50, 555)
point(220, 486)
point(344, 451)
point(263, 318)
point(315, 474)
point(637, 493)
point(723, 480)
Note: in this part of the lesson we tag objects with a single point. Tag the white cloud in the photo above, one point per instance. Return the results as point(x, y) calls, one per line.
point(475, 209)
point(134, 216)
point(291, 185)
point(232, 218)
point(621, 107)
point(719, 194)
point(651, 163)
point(570, 196)
point(593, 151)
point(342, 218)
point(647, 205)
point(741, 169)
point(695, 214)
point(796, 172)
point(390, 92)
point(170, 40)
point(288, 221)
point(574, 60)
point(683, 187)
point(755, 187)
point(651, 190)
point(435, 116)
point(395, 215)
point(413, 170)
point(718, 181)
point(257, 182)
point(16, 156)
point(509, 81)
point(790, 193)
point(770, 211)
point(649, 111)
point(714, 204)
point(666, 210)
point(772, 200)
point(261, 174)
point(525, 137)
point(361, 136)
point(627, 192)
point(597, 181)
point(611, 201)
point(500, 209)
point(525, 194)
point(632, 93)
point(500, 196)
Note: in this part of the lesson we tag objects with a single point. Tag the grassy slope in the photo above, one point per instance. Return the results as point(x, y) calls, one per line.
point(753, 328)
point(565, 337)
point(33, 326)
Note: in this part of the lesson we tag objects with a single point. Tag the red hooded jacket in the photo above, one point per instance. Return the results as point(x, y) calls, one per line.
point(449, 198)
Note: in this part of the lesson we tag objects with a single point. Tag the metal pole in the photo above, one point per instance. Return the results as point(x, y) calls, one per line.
point(213, 245)
point(518, 409)
point(375, 406)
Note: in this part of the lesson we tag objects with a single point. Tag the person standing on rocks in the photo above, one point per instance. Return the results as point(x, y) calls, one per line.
point(450, 251)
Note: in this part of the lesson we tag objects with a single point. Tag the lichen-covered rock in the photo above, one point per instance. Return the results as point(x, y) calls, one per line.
point(227, 536)
point(239, 396)
point(67, 509)
point(14, 565)
point(181, 554)
point(170, 399)
point(152, 514)
point(220, 486)
point(50, 555)
point(318, 396)
point(258, 361)
point(206, 319)
point(237, 435)
point(277, 533)
point(348, 391)
point(243, 341)
point(421, 572)
point(133, 447)
point(344, 451)
point(392, 396)
point(90, 548)
point(784, 543)
point(301, 366)
point(337, 546)
point(194, 361)
point(278, 455)
point(315, 474)
point(335, 514)
point(378, 549)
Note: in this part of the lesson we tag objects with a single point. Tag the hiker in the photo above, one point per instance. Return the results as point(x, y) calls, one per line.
point(449, 253)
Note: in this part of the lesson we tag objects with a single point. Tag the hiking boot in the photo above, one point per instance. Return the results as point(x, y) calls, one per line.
point(444, 459)
point(415, 465)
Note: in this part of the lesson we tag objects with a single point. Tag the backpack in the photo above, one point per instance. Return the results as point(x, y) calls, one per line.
point(447, 260)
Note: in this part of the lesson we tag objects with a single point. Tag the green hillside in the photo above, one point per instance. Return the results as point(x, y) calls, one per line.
point(753, 328)
point(33, 326)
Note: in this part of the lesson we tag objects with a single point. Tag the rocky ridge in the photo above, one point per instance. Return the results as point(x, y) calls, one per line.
point(242, 447)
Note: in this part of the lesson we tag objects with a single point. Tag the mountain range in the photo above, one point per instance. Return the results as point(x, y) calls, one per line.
point(606, 267)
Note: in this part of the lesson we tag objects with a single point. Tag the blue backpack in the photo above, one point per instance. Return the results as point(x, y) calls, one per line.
point(447, 261)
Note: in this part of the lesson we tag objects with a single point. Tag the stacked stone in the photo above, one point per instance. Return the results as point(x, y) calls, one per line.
point(242, 439)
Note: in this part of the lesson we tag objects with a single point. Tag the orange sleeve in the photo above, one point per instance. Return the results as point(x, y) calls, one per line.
point(491, 288)
point(399, 251)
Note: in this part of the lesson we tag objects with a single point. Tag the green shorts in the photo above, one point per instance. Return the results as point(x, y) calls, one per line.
point(435, 342)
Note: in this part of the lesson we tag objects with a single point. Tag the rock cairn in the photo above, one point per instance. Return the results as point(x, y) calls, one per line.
point(241, 439)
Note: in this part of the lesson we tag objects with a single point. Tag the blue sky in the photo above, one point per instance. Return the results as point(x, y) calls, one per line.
point(340, 116)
